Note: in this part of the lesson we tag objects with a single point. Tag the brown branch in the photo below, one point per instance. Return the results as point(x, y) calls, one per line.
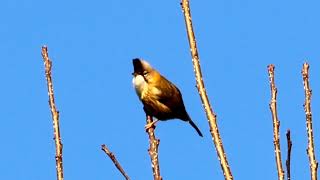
point(307, 108)
point(289, 154)
point(211, 116)
point(54, 113)
point(114, 160)
point(276, 122)
point(153, 150)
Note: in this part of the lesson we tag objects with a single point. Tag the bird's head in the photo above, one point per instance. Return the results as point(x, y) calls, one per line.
point(144, 69)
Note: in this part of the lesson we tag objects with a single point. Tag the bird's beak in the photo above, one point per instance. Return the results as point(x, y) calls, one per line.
point(134, 74)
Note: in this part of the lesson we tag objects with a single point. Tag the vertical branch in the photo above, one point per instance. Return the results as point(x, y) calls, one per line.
point(153, 150)
point(307, 108)
point(54, 113)
point(288, 155)
point(114, 160)
point(276, 122)
point(211, 116)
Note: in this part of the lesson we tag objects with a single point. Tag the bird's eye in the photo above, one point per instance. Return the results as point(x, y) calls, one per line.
point(145, 73)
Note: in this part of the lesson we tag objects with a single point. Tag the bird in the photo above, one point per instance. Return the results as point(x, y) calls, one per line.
point(160, 97)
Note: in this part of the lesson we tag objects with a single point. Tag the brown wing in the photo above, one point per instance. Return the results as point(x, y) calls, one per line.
point(171, 97)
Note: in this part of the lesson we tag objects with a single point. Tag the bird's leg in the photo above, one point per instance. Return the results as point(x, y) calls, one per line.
point(152, 124)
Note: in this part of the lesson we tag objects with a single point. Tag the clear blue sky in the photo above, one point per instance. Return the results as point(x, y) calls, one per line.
point(92, 44)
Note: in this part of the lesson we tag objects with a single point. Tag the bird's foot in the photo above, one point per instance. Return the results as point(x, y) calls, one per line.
point(151, 125)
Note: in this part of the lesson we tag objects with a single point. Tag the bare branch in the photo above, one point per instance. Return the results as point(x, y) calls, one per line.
point(153, 150)
point(114, 160)
point(276, 122)
point(54, 113)
point(211, 116)
point(307, 107)
point(288, 161)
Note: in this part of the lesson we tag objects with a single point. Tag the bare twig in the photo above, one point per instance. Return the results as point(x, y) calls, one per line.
point(212, 118)
point(289, 154)
point(276, 122)
point(153, 150)
point(114, 160)
point(307, 108)
point(54, 113)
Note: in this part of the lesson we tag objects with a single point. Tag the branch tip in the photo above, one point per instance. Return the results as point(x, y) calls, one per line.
point(114, 160)
point(307, 107)
point(54, 113)
point(211, 116)
point(276, 122)
point(288, 161)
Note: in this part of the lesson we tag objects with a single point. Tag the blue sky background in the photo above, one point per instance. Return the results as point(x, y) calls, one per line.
point(92, 44)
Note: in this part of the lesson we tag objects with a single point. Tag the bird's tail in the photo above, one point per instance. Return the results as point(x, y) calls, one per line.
point(195, 127)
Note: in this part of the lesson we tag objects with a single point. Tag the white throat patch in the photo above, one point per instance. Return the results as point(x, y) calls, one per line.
point(139, 84)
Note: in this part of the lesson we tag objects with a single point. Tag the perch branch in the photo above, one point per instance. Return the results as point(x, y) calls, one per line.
point(114, 160)
point(276, 122)
point(307, 108)
point(288, 154)
point(54, 113)
point(153, 150)
point(211, 116)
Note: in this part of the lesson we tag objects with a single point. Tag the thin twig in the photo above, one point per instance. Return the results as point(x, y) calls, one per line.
point(307, 108)
point(211, 116)
point(153, 150)
point(276, 122)
point(114, 160)
point(54, 113)
point(288, 161)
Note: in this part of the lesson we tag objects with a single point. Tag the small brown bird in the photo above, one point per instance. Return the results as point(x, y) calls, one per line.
point(161, 98)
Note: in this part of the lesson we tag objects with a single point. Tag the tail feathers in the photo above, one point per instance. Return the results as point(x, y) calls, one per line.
point(195, 127)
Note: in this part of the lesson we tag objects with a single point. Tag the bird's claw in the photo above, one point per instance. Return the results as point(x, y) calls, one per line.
point(150, 125)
